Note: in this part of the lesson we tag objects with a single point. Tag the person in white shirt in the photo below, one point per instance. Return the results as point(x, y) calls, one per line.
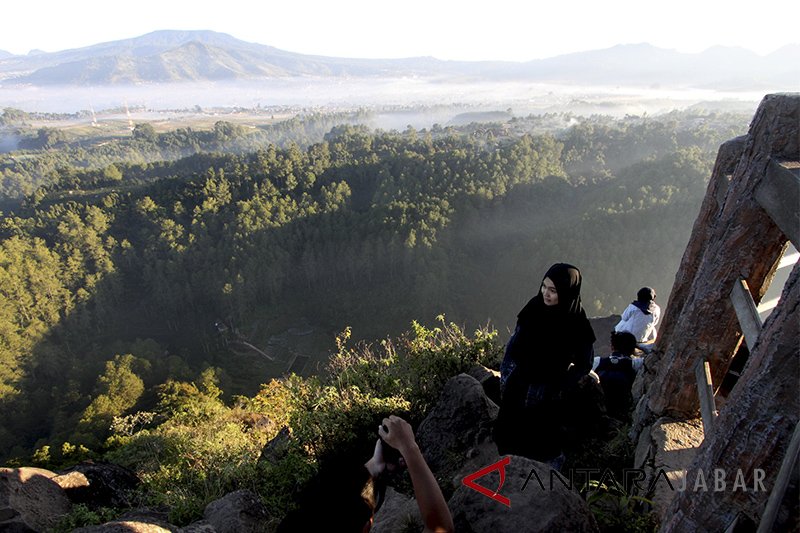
point(641, 318)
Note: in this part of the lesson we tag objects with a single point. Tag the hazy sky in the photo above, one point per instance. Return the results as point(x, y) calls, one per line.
point(516, 30)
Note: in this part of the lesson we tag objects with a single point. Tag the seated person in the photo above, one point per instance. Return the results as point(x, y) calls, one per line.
point(641, 318)
point(344, 497)
point(617, 373)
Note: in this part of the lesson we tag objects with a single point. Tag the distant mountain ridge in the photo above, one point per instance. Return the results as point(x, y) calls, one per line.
point(173, 56)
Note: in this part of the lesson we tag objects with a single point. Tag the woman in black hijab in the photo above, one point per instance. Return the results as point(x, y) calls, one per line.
point(550, 350)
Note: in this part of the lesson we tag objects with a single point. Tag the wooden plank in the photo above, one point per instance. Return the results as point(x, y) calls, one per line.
point(705, 390)
point(779, 195)
point(746, 312)
point(781, 483)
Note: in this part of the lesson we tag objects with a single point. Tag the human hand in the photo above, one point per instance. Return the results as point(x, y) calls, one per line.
point(397, 433)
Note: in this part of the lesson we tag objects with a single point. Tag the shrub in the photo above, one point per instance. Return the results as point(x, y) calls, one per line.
point(81, 516)
point(416, 366)
point(194, 449)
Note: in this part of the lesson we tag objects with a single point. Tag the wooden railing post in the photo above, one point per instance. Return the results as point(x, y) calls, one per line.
point(746, 312)
point(705, 390)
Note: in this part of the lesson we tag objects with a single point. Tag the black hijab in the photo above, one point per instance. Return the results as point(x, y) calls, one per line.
point(551, 336)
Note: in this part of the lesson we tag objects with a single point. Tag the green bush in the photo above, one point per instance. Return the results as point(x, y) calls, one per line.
point(195, 449)
point(416, 366)
point(201, 451)
point(81, 516)
point(616, 511)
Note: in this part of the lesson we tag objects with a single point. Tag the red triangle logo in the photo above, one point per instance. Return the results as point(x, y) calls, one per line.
point(500, 466)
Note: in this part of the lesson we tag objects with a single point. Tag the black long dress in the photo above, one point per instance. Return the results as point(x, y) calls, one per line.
point(550, 350)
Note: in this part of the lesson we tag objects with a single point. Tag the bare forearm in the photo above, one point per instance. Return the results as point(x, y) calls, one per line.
point(431, 502)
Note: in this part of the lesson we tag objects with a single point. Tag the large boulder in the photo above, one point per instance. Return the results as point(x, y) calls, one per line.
point(667, 449)
point(30, 500)
point(398, 513)
point(754, 430)
point(136, 521)
point(237, 512)
point(602, 326)
point(535, 504)
point(99, 484)
point(128, 526)
point(489, 380)
point(460, 421)
point(733, 238)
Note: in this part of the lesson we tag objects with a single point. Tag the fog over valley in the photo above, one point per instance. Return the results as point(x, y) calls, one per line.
point(523, 97)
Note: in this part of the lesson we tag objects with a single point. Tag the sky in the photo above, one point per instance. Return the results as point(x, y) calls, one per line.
point(514, 30)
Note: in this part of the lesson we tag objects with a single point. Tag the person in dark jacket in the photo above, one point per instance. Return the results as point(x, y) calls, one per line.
point(549, 352)
point(617, 373)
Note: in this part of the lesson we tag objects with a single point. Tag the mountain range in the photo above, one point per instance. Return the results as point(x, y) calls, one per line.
point(174, 56)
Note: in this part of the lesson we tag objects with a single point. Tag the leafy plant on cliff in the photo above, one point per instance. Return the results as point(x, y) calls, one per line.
point(416, 365)
point(200, 450)
point(195, 448)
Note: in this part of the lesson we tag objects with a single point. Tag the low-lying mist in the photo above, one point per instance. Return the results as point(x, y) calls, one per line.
point(400, 101)
point(8, 143)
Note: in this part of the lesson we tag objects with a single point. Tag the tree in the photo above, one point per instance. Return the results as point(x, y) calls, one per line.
point(144, 132)
point(118, 389)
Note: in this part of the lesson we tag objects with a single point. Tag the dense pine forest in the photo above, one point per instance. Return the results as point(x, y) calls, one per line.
point(169, 272)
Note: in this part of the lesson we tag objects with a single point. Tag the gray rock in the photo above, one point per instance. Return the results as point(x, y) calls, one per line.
point(397, 513)
point(675, 445)
point(489, 380)
point(136, 521)
point(237, 512)
point(99, 484)
point(128, 526)
point(30, 499)
point(459, 422)
point(534, 506)
point(602, 327)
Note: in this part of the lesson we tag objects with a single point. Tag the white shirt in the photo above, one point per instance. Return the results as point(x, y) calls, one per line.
point(641, 325)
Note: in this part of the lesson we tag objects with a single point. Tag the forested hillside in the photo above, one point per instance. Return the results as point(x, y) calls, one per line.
point(128, 263)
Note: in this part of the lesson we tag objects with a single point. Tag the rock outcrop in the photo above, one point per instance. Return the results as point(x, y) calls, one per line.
point(752, 434)
point(30, 500)
point(459, 422)
point(237, 512)
point(749, 215)
point(136, 521)
point(536, 505)
point(456, 440)
point(664, 455)
point(99, 484)
point(732, 238)
point(398, 513)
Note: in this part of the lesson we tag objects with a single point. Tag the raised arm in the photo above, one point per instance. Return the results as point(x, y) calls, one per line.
point(397, 433)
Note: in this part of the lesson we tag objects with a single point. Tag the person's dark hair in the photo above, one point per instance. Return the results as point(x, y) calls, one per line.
point(646, 295)
point(340, 499)
point(623, 342)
